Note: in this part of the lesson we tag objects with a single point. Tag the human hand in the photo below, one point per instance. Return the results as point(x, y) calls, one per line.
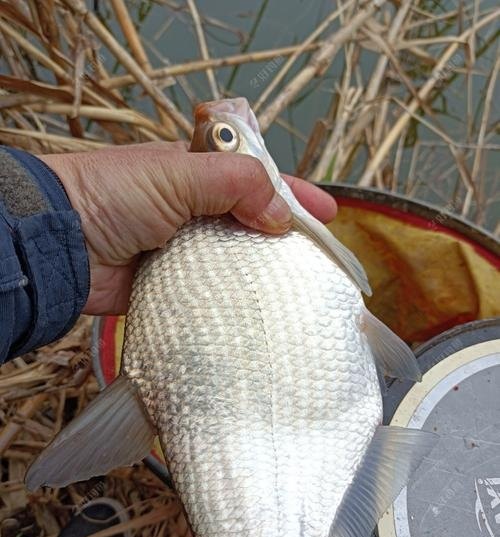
point(133, 198)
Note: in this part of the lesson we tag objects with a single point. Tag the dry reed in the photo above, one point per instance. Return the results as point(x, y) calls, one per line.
point(416, 51)
point(56, 95)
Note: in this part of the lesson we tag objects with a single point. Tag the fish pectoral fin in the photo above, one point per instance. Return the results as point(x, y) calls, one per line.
point(391, 458)
point(332, 247)
point(113, 430)
point(392, 354)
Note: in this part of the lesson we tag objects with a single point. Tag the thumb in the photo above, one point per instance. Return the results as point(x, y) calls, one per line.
point(217, 183)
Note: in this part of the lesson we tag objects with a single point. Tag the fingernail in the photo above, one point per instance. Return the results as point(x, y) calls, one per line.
point(277, 215)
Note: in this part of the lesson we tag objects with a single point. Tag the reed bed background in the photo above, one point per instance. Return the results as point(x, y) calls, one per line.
point(77, 76)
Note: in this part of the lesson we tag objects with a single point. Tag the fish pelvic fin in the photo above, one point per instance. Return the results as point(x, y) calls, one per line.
point(392, 355)
point(392, 456)
point(113, 430)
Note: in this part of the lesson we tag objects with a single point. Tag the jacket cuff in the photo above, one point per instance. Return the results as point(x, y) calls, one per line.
point(53, 268)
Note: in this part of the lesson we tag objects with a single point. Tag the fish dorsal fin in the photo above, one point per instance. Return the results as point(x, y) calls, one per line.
point(113, 430)
point(392, 456)
point(392, 354)
point(332, 247)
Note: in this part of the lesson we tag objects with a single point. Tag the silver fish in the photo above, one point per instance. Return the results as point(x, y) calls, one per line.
point(255, 360)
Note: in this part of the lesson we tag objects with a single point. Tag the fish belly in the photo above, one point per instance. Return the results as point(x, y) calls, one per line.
point(248, 356)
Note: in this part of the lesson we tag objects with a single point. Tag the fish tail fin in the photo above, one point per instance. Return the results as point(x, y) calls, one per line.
point(113, 430)
point(392, 456)
point(392, 355)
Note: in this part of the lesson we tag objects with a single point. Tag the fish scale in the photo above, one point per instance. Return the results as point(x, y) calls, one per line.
point(261, 384)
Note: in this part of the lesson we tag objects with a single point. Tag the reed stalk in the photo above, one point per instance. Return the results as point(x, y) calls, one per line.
point(73, 79)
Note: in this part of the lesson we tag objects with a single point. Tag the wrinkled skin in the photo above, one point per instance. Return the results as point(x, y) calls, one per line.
point(133, 198)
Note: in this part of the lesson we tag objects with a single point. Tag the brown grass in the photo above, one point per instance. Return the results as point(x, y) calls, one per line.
point(84, 106)
point(39, 394)
point(78, 105)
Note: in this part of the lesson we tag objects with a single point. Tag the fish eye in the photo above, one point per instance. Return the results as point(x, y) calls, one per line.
point(223, 137)
point(226, 135)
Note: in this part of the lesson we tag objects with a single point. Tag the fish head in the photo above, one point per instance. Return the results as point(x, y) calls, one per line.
point(229, 125)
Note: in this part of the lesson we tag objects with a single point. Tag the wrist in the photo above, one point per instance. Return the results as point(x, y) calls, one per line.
point(72, 169)
point(63, 167)
point(49, 247)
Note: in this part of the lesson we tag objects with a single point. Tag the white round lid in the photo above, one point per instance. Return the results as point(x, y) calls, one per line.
point(456, 490)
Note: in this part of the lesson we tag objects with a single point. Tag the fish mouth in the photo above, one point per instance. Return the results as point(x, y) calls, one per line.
point(201, 112)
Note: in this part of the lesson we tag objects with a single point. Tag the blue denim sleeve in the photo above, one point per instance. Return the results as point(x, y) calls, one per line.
point(44, 269)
